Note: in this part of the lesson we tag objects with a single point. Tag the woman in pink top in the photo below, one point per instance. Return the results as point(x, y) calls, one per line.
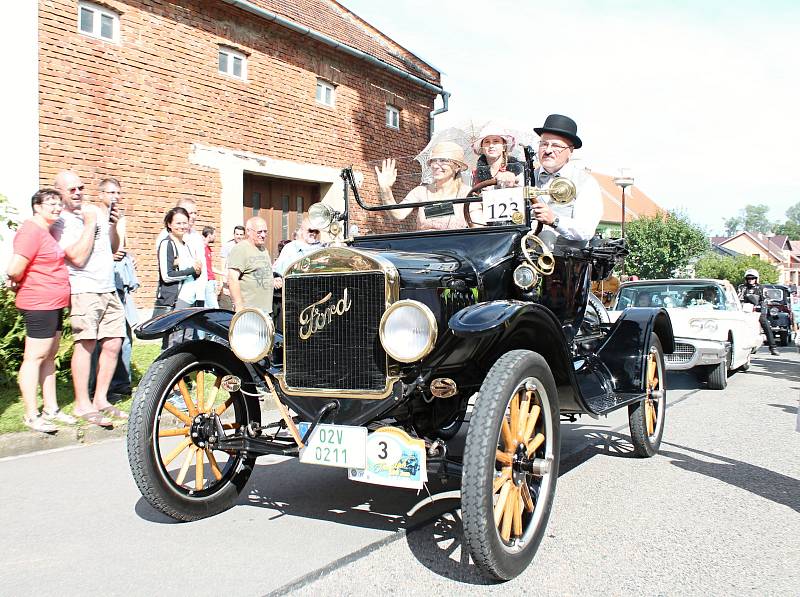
point(38, 275)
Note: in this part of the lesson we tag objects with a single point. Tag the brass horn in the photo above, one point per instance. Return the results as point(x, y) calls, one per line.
point(562, 190)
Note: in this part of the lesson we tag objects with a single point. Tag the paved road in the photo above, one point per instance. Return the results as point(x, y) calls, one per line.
point(717, 512)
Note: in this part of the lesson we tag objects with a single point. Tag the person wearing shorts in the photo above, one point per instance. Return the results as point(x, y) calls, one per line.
point(38, 275)
point(88, 234)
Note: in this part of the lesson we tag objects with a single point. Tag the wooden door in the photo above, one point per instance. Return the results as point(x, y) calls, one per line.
point(281, 202)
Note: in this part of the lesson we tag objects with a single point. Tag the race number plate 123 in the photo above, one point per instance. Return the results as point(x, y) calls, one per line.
point(343, 446)
point(499, 205)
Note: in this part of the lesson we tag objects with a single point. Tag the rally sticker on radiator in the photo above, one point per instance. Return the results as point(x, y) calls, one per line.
point(393, 458)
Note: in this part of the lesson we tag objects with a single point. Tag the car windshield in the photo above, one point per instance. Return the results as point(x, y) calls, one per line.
point(705, 295)
point(440, 185)
point(774, 294)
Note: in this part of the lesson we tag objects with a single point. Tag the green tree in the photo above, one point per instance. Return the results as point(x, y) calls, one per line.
point(8, 216)
point(791, 227)
point(753, 218)
point(662, 244)
point(723, 267)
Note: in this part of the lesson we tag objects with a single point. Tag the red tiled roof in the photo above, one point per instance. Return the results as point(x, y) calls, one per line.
point(637, 203)
point(760, 240)
point(336, 21)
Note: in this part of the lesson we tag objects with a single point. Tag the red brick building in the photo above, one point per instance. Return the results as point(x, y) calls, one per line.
point(244, 106)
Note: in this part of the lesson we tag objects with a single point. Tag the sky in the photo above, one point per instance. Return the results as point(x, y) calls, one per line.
point(699, 99)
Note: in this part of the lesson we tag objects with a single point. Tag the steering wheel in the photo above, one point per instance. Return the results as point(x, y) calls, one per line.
point(473, 192)
point(539, 256)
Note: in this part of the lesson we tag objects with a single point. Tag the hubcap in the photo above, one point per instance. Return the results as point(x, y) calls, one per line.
point(188, 433)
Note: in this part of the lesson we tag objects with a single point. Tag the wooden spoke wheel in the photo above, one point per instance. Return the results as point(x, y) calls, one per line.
point(646, 418)
point(179, 415)
point(510, 464)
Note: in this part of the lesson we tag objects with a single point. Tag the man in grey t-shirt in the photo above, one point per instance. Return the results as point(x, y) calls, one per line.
point(88, 235)
point(250, 270)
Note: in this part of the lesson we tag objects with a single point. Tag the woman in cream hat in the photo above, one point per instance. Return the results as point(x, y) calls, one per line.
point(446, 163)
point(494, 146)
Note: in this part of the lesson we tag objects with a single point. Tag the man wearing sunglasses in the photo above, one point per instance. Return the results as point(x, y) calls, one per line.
point(249, 270)
point(306, 241)
point(89, 237)
point(577, 220)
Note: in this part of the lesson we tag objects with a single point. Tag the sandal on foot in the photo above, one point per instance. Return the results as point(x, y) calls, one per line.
point(95, 418)
point(37, 423)
point(113, 411)
point(60, 416)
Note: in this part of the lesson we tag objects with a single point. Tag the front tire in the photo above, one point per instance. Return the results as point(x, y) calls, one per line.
point(718, 375)
point(171, 444)
point(511, 463)
point(646, 418)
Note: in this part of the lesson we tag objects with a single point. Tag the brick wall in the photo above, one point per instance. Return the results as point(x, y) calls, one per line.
point(133, 110)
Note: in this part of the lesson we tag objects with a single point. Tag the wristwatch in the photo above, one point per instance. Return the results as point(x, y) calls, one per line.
point(555, 222)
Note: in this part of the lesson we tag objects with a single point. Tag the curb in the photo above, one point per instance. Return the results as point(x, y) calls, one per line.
point(25, 442)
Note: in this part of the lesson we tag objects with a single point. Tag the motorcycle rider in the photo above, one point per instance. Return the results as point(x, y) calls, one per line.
point(752, 292)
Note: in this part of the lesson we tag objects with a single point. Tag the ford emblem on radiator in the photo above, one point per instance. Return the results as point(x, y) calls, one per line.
point(315, 317)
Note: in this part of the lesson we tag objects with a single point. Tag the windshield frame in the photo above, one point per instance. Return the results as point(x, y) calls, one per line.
point(351, 188)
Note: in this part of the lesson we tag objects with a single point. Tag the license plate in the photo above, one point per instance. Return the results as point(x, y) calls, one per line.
point(342, 446)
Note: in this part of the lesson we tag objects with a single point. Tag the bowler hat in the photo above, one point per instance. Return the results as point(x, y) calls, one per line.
point(561, 125)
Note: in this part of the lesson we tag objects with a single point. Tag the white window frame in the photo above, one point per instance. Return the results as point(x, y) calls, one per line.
point(231, 54)
point(98, 12)
point(325, 99)
point(392, 117)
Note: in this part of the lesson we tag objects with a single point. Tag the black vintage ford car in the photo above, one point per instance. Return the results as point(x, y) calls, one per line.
point(448, 353)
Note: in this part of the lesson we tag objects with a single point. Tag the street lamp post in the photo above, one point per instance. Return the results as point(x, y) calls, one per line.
point(624, 180)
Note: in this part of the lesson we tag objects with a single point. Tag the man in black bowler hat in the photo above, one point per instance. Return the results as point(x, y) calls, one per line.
point(577, 220)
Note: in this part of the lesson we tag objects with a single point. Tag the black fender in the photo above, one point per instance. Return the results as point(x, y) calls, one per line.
point(210, 351)
point(624, 351)
point(213, 321)
point(508, 325)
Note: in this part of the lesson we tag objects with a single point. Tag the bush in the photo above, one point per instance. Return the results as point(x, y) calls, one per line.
point(713, 265)
point(12, 342)
point(12, 338)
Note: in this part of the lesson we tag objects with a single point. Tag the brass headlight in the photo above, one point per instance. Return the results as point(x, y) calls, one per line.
point(321, 216)
point(251, 335)
point(408, 331)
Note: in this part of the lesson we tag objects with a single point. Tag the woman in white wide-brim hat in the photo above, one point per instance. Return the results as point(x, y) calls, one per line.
point(493, 146)
point(446, 163)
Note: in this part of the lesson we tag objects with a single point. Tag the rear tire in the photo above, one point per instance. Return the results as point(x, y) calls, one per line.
point(514, 428)
point(646, 418)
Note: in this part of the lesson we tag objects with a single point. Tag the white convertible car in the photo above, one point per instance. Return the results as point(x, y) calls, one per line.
point(714, 334)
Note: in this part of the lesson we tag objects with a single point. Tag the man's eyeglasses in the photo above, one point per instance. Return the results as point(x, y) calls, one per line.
point(313, 231)
point(73, 189)
point(555, 147)
point(264, 231)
